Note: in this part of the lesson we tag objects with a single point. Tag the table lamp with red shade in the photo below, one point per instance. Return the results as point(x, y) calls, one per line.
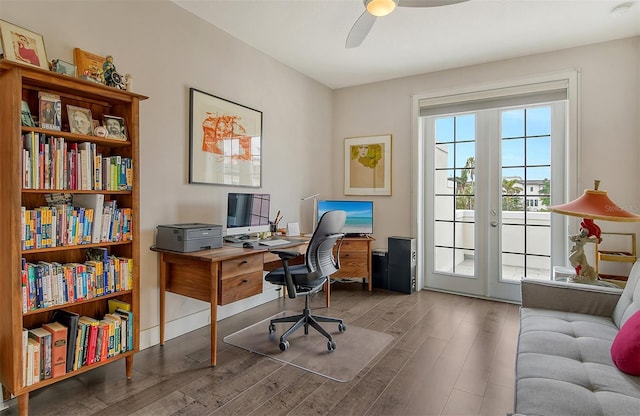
point(593, 204)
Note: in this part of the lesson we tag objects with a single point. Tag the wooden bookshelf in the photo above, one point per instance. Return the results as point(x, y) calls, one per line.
point(22, 82)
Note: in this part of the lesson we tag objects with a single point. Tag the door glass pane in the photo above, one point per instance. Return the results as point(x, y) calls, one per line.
point(512, 267)
point(464, 264)
point(443, 233)
point(442, 208)
point(443, 260)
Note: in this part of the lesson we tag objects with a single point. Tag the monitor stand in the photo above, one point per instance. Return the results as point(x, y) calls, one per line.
point(240, 238)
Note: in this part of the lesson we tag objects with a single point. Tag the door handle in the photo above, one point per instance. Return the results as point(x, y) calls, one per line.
point(494, 223)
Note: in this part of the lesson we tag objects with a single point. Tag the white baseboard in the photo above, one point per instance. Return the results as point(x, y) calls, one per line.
point(172, 329)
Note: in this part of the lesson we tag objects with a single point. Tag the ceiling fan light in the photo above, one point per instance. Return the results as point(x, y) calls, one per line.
point(380, 8)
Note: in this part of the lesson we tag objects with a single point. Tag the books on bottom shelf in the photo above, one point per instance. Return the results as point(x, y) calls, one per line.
point(73, 341)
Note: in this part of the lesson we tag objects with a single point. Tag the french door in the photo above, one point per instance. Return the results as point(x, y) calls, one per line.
point(490, 175)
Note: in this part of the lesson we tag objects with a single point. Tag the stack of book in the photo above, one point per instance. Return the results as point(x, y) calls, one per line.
point(46, 284)
point(89, 218)
point(73, 341)
point(50, 162)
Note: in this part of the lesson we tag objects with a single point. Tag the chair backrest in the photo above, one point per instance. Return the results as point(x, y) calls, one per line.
point(319, 259)
point(629, 302)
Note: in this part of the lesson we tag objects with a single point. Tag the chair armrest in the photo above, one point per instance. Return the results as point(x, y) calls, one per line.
point(569, 297)
point(286, 254)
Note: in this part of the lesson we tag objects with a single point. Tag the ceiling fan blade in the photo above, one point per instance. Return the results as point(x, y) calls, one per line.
point(427, 3)
point(360, 29)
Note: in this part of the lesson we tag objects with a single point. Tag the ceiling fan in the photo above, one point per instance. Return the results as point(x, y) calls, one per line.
point(379, 8)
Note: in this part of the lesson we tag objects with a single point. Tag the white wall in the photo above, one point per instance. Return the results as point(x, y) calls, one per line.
point(168, 50)
point(609, 125)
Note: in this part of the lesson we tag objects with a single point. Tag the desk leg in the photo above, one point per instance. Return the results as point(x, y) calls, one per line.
point(163, 292)
point(215, 266)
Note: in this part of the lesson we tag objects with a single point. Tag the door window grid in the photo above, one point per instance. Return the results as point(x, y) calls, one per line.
point(459, 173)
point(526, 200)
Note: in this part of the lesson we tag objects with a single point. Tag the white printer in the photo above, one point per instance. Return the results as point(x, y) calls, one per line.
point(189, 237)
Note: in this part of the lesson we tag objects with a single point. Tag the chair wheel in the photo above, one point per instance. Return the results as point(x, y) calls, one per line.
point(331, 346)
point(272, 328)
point(284, 345)
point(342, 327)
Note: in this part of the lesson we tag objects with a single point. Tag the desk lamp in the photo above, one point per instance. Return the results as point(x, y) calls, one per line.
point(592, 205)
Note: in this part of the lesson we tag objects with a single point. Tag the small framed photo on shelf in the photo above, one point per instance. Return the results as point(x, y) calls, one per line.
point(63, 67)
point(50, 111)
point(22, 45)
point(26, 118)
point(79, 120)
point(116, 128)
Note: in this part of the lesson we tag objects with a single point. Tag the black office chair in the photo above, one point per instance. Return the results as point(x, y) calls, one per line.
point(307, 279)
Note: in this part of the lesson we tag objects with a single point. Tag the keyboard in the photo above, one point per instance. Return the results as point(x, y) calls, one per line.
point(273, 243)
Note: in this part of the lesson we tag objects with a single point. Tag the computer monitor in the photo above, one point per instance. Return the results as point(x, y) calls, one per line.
point(247, 213)
point(359, 215)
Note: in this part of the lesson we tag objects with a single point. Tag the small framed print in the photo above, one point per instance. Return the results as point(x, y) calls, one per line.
point(80, 120)
point(22, 45)
point(63, 67)
point(116, 128)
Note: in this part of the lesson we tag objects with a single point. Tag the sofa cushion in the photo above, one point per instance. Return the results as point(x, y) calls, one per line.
point(625, 350)
point(564, 366)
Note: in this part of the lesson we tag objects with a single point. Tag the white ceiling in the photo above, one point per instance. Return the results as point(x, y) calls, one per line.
point(309, 35)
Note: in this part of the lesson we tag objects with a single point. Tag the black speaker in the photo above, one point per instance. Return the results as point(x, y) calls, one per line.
point(402, 264)
point(380, 267)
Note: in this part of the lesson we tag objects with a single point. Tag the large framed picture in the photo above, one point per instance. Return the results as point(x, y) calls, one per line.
point(367, 165)
point(225, 142)
point(22, 45)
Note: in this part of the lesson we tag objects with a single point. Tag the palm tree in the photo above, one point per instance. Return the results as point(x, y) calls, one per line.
point(465, 185)
point(511, 203)
point(545, 189)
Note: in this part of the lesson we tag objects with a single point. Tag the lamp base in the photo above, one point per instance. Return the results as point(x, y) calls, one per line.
point(588, 281)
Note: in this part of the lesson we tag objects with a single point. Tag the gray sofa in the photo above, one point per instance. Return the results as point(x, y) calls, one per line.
point(564, 364)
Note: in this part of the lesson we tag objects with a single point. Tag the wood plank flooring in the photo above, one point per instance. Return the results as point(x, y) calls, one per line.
point(451, 355)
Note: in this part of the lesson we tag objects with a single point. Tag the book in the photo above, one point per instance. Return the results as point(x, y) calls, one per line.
point(70, 320)
point(50, 111)
point(44, 340)
point(58, 348)
point(33, 362)
point(118, 304)
point(91, 338)
point(95, 202)
point(127, 318)
point(79, 350)
point(25, 356)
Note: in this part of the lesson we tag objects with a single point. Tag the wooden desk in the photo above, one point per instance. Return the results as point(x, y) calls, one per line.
point(219, 276)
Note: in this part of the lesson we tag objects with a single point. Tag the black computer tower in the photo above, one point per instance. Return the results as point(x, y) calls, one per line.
point(380, 267)
point(402, 261)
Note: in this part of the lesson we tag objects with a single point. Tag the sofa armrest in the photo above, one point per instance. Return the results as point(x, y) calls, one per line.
point(569, 297)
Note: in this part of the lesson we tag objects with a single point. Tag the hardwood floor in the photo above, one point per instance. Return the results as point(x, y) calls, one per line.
point(451, 355)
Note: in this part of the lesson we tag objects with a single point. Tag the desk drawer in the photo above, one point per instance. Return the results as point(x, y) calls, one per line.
point(353, 263)
point(240, 287)
point(354, 245)
point(245, 264)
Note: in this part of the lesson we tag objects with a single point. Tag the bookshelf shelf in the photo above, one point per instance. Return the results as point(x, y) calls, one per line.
point(69, 305)
point(23, 83)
